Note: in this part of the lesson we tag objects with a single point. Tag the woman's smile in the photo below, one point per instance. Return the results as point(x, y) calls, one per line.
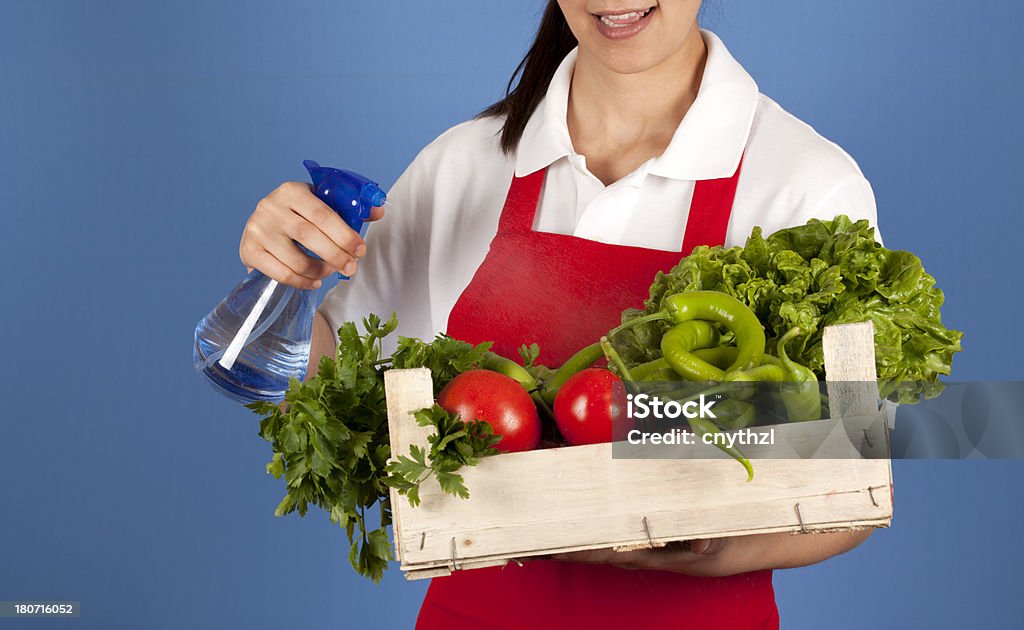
point(623, 23)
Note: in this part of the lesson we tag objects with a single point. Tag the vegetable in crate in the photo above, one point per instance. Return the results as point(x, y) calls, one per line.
point(331, 442)
point(809, 277)
point(590, 408)
point(798, 384)
point(693, 314)
point(498, 399)
point(578, 362)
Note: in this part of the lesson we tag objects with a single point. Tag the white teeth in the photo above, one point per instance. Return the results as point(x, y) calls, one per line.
point(612, 20)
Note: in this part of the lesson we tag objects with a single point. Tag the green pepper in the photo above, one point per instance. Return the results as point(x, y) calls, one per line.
point(659, 370)
point(497, 363)
point(656, 370)
point(800, 392)
point(798, 386)
point(702, 427)
point(744, 379)
point(578, 362)
point(719, 356)
point(735, 414)
point(762, 373)
point(723, 356)
point(614, 359)
point(678, 344)
point(728, 311)
point(706, 306)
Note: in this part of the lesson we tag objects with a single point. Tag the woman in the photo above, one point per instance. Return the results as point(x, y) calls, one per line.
point(631, 137)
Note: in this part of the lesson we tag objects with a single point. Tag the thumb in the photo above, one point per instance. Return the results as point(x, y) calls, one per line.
point(701, 546)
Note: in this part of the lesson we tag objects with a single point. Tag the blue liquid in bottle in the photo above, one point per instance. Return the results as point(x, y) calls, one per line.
point(257, 339)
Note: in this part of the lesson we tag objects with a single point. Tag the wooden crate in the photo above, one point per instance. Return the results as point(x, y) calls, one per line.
point(579, 497)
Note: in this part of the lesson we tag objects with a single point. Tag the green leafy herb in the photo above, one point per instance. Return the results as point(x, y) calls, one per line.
point(812, 276)
point(330, 438)
point(446, 357)
point(454, 444)
point(529, 354)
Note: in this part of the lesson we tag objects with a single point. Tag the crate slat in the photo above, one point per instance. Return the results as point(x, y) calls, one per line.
point(406, 391)
point(850, 374)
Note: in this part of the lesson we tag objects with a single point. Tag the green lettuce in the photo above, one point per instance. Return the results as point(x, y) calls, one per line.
point(812, 276)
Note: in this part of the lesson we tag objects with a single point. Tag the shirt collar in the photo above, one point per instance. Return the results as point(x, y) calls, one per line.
point(708, 143)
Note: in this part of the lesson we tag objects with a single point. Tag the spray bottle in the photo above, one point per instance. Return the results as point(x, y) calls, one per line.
point(257, 339)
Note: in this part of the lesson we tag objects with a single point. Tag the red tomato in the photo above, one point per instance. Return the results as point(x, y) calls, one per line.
point(590, 408)
point(498, 399)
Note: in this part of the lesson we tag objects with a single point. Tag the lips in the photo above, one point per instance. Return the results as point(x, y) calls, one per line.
point(621, 24)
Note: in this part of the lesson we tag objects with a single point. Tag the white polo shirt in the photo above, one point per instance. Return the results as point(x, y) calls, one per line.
point(444, 209)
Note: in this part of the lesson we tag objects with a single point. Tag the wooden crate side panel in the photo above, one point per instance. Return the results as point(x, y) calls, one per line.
point(596, 501)
point(831, 512)
point(616, 466)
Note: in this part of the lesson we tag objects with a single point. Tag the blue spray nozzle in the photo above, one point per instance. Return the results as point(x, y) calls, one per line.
point(349, 194)
point(374, 195)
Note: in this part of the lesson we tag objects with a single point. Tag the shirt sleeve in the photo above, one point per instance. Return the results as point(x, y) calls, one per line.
point(393, 275)
point(852, 196)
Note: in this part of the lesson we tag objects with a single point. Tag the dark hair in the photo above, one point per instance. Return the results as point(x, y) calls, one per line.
point(553, 42)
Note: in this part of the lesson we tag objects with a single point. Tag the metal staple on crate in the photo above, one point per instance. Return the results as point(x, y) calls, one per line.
point(871, 493)
point(647, 530)
point(454, 567)
point(868, 439)
point(800, 517)
point(423, 540)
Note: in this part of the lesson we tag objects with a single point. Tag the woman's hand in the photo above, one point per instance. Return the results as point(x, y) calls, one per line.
point(716, 557)
point(293, 213)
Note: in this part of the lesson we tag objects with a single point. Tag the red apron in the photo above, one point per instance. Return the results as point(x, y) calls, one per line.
point(564, 292)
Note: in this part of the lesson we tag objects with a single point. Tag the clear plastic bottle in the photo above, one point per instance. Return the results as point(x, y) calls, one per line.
point(257, 339)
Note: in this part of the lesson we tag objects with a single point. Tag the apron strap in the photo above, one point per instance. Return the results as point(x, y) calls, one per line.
point(708, 220)
point(521, 203)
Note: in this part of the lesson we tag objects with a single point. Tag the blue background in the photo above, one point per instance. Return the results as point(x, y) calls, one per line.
point(135, 138)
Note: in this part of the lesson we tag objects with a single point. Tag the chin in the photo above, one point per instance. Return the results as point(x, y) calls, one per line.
point(625, 61)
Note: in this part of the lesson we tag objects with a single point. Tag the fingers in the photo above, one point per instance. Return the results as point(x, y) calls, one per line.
point(593, 556)
point(639, 559)
point(376, 213)
point(290, 214)
point(625, 559)
point(301, 230)
point(703, 546)
point(271, 267)
point(278, 257)
point(340, 236)
point(673, 556)
point(286, 251)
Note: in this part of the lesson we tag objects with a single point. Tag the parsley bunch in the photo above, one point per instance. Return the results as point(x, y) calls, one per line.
point(454, 445)
point(331, 443)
